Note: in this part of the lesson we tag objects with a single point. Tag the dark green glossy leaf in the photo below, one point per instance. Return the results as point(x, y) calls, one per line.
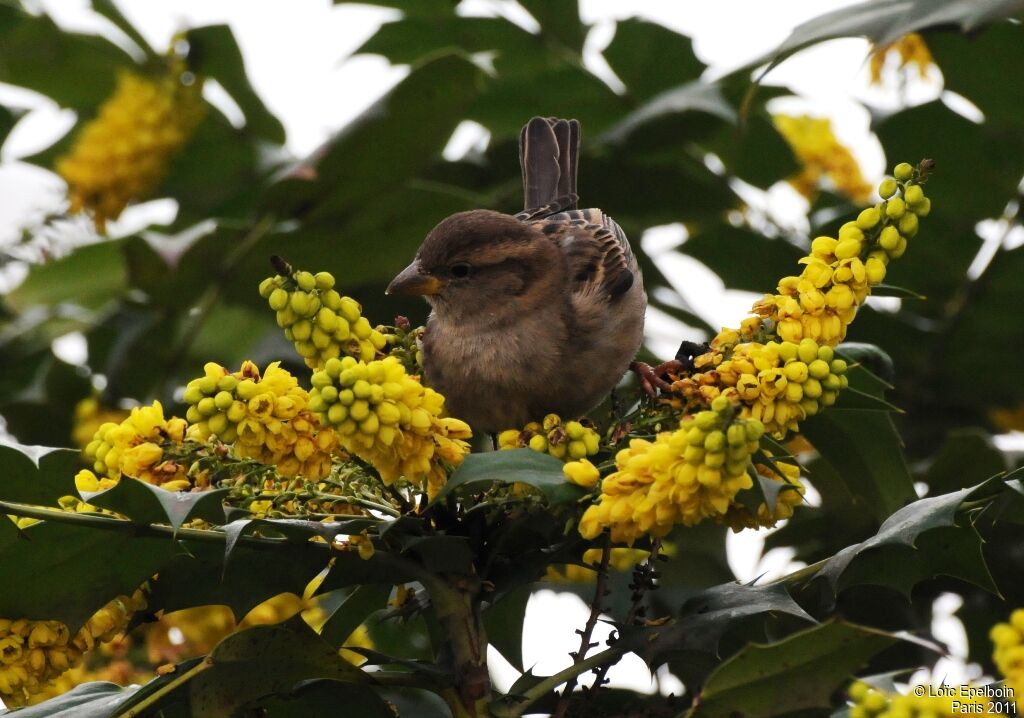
point(560, 21)
point(906, 525)
point(37, 474)
point(810, 665)
point(281, 655)
point(512, 466)
point(871, 368)
point(67, 572)
point(352, 611)
point(883, 21)
point(704, 618)
point(943, 551)
point(967, 68)
point(865, 449)
point(699, 97)
point(109, 10)
point(386, 144)
point(764, 260)
point(649, 57)
point(74, 69)
point(323, 697)
point(505, 105)
point(417, 36)
point(227, 187)
point(967, 455)
point(8, 119)
point(504, 623)
point(983, 334)
point(198, 577)
point(145, 503)
point(99, 699)
point(214, 52)
point(429, 8)
point(923, 131)
point(90, 276)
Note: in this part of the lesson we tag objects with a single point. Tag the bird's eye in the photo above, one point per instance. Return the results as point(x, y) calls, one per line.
point(460, 270)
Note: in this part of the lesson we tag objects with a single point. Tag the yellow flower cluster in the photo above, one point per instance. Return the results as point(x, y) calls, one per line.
point(267, 418)
point(910, 49)
point(821, 155)
point(840, 271)
point(34, 653)
point(780, 363)
point(320, 322)
point(568, 440)
point(133, 447)
point(89, 416)
point(778, 383)
point(389, 419)
point(869, 702)
point(682, 477)
point(124, 152)
point(1008, 639)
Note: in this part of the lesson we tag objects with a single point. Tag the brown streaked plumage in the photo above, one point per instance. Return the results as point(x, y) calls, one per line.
point(534, 313)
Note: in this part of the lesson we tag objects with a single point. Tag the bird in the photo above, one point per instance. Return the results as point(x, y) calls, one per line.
point(534, 313)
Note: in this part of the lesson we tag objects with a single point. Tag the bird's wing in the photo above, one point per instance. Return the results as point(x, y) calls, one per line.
point(596, 248)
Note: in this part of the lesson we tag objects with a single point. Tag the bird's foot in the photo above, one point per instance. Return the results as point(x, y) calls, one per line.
point(651, 378)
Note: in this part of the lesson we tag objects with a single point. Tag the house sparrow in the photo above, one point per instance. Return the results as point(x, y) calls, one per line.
point(534, 313)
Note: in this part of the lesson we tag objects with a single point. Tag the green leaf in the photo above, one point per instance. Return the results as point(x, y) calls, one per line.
point(906, 526)
point(526, 466)
point(415, 37)
point(90, 276)
point(322, 697)
point(883, 21)
point(977, 338)
point(865, 448)
point(503, 621)
point(944, 551)
point(228, 187)
point(281, 656)
point(765, 259)
point(353, 610)
point(99, 699)
point(810, 665)
point(109, 10)
point(967, 454)
point(923, 131)
point(429, 8)
point(559, 20)
point(698, 97)
point(649, 57)
point(214, 52)
point(967, 68)
point(705, 617)
point(37, 474)
point(67, 572)
point(386, 144)
point(198, 577)
point(8, 119)
point(508, 102)
point(74, 69)
point(876, 371)
point(145, 503)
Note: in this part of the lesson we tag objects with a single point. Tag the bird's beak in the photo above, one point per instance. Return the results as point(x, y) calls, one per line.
point(413, 280)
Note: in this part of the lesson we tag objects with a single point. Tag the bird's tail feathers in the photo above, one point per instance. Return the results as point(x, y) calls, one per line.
point(549, 156)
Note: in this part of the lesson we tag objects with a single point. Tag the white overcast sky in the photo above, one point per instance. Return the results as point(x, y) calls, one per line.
point(298, 57)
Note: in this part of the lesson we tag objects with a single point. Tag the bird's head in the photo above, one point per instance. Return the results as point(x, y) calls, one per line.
point(473, 262)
